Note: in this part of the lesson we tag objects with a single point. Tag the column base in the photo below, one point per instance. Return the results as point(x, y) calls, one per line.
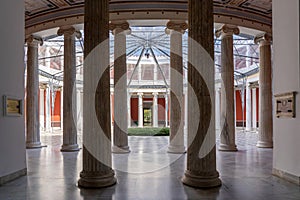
point(120, 150)
point(69, 148)
point(95, 180)
point(226, 147)
point(176, 149)
point(34, 145)
point(197, 181)
point(263, 144)
point(248, 129)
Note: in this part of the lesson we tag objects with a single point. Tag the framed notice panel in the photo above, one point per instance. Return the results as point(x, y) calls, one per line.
point(12, 106)
point(285, 105)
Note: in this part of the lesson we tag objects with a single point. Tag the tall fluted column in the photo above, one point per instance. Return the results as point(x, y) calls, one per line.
point(227, 137)
point(201, 153)
point(140, 108)
point(265, 136)
point(176, 143)
point(97, 160)
point(254, 107)
point(69, 92)
point(120, 139)
point(32, 99)
point(248, 108)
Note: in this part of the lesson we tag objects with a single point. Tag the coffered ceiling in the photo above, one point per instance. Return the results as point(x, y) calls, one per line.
point(258, 12)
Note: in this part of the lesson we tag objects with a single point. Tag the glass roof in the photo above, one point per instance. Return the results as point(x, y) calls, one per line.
point(148, 43)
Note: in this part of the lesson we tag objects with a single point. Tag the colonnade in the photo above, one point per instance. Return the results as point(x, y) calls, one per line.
point(201, 153)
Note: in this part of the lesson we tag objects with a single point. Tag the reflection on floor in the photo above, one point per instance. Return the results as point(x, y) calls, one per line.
point(148, 172)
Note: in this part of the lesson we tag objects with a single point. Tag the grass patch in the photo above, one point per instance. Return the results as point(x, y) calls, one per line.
point(148, 131)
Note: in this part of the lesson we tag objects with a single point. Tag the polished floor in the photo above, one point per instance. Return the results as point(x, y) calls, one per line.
point(148, 172)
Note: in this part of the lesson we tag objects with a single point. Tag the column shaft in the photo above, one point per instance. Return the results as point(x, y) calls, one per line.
point(227, 137)
point(265, 136)
point(120, 139)
point(42, 106)
point(155, 110)
point(218, 108)
point(69, 92)
point(140, 108)
point(166, 110)
point(248, 108)
point(48, 109)
point(97, 171)
point(32, 99)
point(201, 154)
point(254, 118)
point(176, 142)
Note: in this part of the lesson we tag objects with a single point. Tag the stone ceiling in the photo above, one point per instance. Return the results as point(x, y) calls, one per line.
point(44, 11)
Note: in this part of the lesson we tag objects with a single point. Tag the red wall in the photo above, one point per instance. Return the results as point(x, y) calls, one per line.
point(239, 115)
point(55, 116)
point(134, 103)
point(161, 109)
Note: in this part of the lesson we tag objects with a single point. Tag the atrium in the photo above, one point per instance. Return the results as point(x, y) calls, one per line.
point(79, 77)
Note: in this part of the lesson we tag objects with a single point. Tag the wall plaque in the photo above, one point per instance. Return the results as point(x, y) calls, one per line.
point(285, 105)
point(12, 106)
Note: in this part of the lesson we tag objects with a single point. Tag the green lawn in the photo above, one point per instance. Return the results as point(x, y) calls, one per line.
point(148, 131)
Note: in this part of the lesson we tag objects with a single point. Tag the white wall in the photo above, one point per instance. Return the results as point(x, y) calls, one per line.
point(12, 130)
point(286, 78)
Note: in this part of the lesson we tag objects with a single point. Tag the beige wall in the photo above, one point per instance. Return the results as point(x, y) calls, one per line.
point(286, 78)
point(12, 130)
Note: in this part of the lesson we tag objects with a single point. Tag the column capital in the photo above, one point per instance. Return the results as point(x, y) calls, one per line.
point(263, 39)
point(178, 26)
point(34, 41)
point(43, 86)
point(120, 27)
point(227, 30)
point(69, 31)
point(140, 94)
point(155, 94)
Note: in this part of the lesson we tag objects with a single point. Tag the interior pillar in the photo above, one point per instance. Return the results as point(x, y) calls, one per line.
point(97, 161)
point(201, 153)
point(265, 135)
point(33, 139)
point(69, 92)
point(227, 137)
point(176, 140)
point(120, 129)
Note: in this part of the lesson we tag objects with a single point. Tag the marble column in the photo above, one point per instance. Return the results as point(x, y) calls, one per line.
point(32, 99)
point(140, 108)
point(265, 135)
point(155, 110)
point(120, 129)
point(254, 107)
point(201, 153)
point(69, 92)
point(48, 109)
point(97, 158)
point(129, 109)
point(176, 143)
point(218, 108)
point(166, 109)
point(227, 137)
point(42, 107)
point(248, 108)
